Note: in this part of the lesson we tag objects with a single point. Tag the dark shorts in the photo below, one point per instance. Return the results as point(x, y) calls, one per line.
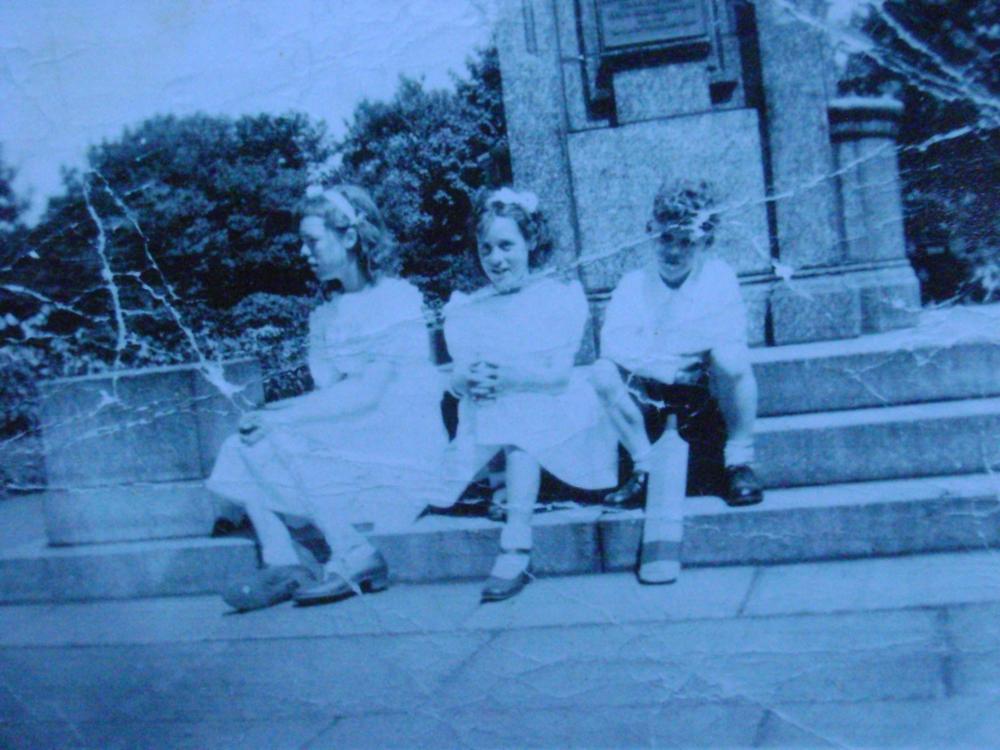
point(699, 423)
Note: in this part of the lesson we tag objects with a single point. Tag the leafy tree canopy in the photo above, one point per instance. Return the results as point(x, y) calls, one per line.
point(424, 154)
point(939, 57)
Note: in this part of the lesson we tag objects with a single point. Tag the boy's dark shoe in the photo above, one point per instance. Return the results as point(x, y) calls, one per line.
point(630, 494)
point(742, 486)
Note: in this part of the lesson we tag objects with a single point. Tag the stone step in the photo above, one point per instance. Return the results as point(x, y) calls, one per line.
point(812, 523)
point(873, 371)
point(941, 438)
point(954, 437)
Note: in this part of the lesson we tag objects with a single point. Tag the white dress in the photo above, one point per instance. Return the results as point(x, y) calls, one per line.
point(379, 465)
point(567, 432)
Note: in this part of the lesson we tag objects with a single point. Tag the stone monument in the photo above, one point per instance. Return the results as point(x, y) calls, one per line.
point(606, 98)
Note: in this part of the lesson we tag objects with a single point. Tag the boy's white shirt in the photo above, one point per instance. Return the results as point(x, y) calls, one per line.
point(656, 331)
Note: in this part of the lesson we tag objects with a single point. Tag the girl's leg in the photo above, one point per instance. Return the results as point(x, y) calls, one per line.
point(510, 571)
point(354, 567)
point(276, 546)
point(664, 523)
point(523, 480)
point(344, 540)
point(250, 472)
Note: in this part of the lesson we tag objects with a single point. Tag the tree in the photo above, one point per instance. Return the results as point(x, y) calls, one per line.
point(12, 206)
point(939, 57)
point(424, 154)
point(172, 225)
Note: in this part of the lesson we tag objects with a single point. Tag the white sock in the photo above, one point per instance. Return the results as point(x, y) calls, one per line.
point(510, 565)
point(515, 536)
point(739, 452)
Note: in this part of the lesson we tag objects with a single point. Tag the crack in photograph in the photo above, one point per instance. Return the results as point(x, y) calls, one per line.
point(499, 374)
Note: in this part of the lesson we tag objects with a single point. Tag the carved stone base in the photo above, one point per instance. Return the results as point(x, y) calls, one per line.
point(844, 304)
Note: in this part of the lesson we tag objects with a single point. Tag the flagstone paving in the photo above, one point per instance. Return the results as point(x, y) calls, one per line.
point(866, 653)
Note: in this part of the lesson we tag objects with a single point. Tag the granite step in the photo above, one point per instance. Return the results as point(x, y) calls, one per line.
point(856, 445)
point(895, 442)
point(873, 371)
point(810, 523)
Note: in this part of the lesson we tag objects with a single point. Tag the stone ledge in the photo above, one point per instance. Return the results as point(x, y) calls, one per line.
point(894, 442)
point(833, 522)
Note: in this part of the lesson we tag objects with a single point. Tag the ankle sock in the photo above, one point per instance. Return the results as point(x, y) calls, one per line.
point(510, 565)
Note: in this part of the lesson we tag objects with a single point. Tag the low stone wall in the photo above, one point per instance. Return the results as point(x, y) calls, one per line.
point(126, 452)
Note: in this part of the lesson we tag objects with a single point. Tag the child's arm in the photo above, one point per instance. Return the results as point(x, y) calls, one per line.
point(354, 393)
point(563, 319)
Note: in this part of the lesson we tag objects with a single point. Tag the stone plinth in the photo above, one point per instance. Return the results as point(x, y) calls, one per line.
point(616, 172)
point(844, 302)
point(118, 440)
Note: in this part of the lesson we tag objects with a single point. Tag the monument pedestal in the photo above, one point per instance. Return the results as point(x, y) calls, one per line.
point(623, 94)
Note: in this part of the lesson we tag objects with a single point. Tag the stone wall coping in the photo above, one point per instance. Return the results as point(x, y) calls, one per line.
point(140, 371)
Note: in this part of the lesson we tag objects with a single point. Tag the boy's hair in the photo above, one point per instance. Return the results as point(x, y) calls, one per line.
point(522, 208)
point(346, 206)
point(687, 204)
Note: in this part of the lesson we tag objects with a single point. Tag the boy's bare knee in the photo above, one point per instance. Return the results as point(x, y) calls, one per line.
point(732, 364)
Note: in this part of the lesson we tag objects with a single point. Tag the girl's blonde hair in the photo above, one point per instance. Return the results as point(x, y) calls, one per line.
point(346, 206)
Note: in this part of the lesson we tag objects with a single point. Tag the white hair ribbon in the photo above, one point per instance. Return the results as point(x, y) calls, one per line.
point(336, 199)
point(525, 199)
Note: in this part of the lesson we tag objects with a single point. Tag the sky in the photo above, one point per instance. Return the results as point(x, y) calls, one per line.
point(75, 72)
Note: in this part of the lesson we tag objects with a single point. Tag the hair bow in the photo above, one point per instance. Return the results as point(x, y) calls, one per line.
point(525, 199)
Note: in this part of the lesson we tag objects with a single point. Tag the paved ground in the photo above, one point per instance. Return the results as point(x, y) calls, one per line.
point(870, 653)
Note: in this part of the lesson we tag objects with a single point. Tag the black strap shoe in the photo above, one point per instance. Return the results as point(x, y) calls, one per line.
point(743, 486)
point(497, 589)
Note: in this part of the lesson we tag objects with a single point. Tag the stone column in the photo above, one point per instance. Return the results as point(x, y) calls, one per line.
point(795, 64)
point(864, 132)
point(836, 206)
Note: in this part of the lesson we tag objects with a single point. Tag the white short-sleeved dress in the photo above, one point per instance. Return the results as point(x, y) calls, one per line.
point(567, 432)
point(379, 465)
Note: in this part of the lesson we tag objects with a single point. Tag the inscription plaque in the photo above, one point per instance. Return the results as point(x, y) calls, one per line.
point(633, 23)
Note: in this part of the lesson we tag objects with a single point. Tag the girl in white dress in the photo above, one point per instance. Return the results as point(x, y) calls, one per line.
point(365, 445)
point(513, 345)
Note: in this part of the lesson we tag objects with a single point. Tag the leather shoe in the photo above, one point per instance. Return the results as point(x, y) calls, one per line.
point(268, 586)
point(368, 576)
point(497, 588)
point(743, 486)
point(630, 494)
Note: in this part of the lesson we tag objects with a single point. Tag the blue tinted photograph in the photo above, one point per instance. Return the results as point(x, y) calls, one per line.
point(499, 374)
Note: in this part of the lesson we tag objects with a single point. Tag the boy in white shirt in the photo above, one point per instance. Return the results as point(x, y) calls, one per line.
point(671, 329)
